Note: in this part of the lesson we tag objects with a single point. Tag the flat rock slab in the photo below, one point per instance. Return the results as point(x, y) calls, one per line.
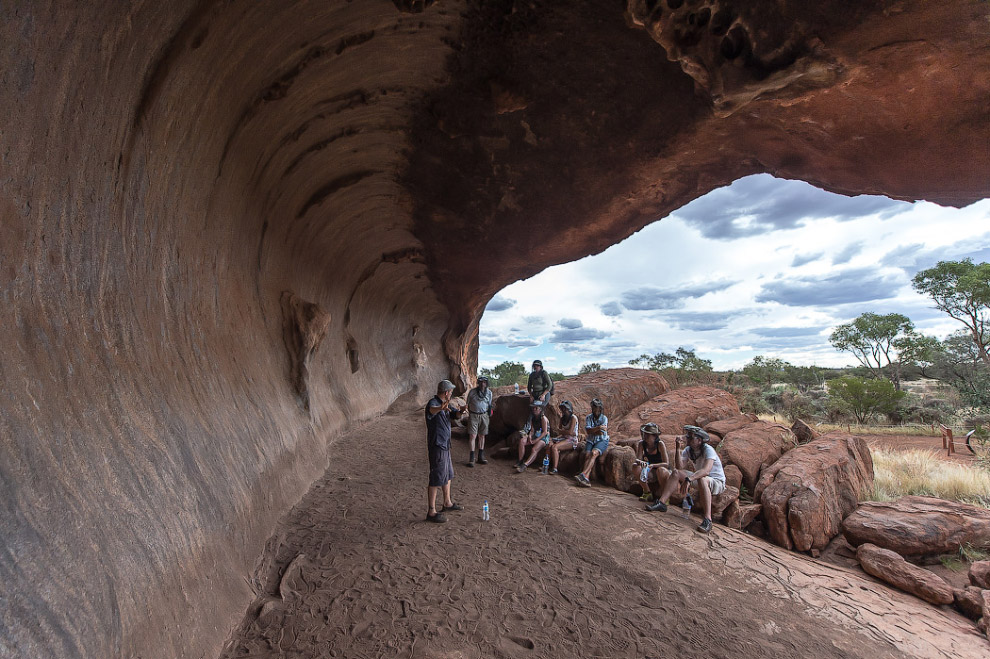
point(918, 527)
point(891, 567)
point(723, 427)
point(807, 493)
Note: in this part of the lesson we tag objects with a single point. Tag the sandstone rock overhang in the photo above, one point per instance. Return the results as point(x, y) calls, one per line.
point(171, 171)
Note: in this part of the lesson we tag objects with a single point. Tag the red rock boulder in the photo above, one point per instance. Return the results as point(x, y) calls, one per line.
point(509, 414)
point(753, 447)
point(733, 477)
point(620, 389)
point(890, 567)
point(809, 491)
point(723, 427)
point(979, 574)
point(969, 601)
point(696, 406)
point(617, 469)
point(803, 432)
point(739, 516)
point(917, 527)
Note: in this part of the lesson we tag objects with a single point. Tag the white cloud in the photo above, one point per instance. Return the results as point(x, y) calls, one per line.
point(732, 292)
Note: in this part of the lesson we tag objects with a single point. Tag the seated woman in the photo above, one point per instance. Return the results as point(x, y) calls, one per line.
point(651, 458)
point(568, 440)
point(538, 436)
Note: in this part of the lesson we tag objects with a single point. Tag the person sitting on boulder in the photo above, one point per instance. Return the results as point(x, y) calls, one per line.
point(596, 429)
point(540, 386)
point(651, 458)
point(697, 464)
point(538, 436)
point(568, 440)
point(479, 404)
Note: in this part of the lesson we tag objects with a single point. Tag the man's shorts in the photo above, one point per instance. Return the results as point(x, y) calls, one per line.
point(592, 444)
point(716, 486)
point(478, 424)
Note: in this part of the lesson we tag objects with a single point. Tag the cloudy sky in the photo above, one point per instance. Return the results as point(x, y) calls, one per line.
point(761, 267)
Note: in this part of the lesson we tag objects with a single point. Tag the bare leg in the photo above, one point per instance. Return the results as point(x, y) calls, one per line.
point(673, 482)
point(589, 463)
point(446, 495)
point(705, 492)
point(555, 452)
point(431, 499)
point(537, 447)
point(660, 476)
point(522, 448)
point(481, 443)
point(471, 439)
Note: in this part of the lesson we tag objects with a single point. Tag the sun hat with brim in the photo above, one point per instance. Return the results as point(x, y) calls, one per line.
point(650, 429)
point(536, 403)
point(566, 404)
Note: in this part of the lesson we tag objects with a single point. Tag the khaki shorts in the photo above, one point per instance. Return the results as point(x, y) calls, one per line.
point(716, 486)
point(478, 424)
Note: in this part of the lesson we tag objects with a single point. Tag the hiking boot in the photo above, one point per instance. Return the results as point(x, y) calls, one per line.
point(521, 467)
point(659, 506)
point(481, 457)
point(705, 526)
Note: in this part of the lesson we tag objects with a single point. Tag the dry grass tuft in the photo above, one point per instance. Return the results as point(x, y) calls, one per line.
point(900, 473)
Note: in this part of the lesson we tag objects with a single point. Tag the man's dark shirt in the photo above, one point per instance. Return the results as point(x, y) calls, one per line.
point(437, 426)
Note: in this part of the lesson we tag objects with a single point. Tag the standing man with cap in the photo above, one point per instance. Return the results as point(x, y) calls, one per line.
point(438, 413)
point(540, 386)
point(479, 404)
point(697, 463)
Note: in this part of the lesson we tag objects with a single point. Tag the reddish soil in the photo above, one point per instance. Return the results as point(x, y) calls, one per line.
point(559, 571)
point(914, 442)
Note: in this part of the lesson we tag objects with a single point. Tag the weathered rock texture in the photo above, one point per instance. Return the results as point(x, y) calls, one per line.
point(891, 567)
point(754, 447)
point(969, 601)
point(696, 406)
point(723, 427)
point(168, 169)
point(918, 526)
point(809, 491)
point(620, 389)
point(979, 574)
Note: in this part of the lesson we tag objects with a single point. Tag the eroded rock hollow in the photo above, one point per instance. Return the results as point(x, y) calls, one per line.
point(230, 229)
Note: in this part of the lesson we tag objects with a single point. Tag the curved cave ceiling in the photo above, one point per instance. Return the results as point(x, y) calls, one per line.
point(230, 229)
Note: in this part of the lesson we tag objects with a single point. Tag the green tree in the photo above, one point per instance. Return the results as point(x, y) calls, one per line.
point(958, 362)
point(918, 350)
point(803, 377)
point(962, 290)
point(766, 370)
point(864, 398)
point(590, 368)
point(556, 376)
point(872, 339)
point(682, 360)
point(505, 373)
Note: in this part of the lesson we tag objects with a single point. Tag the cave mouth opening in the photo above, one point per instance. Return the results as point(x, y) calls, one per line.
point(763, 266)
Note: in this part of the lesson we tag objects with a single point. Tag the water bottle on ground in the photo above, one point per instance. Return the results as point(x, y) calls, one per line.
point(546, 463)
point(484, 511)
point(686, 505)
point(517, 387)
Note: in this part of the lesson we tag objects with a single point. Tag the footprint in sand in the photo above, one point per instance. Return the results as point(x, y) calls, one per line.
point(512, 644)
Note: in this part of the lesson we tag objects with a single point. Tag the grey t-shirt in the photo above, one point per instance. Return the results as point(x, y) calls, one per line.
point(477, 403)
point(708, 453)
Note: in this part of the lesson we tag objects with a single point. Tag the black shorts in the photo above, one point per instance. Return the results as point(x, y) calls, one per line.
point(441, 468)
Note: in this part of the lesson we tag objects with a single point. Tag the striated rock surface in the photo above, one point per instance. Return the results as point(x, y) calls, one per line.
point(739, 516)
point(754, 447)
point(733, 476)
point(892, 568)
point(969, 601)
point(809, 491)
point(917, 527)
point(803, 432)
point(170, 170)
point(621, 390)
point(696, 406)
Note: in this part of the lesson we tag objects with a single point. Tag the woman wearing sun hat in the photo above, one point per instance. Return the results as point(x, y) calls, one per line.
point(651, 457)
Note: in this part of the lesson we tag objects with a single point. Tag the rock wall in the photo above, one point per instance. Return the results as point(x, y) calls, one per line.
point(228, 230)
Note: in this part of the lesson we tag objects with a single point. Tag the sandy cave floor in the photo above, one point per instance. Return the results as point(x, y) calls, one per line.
point(559, 571)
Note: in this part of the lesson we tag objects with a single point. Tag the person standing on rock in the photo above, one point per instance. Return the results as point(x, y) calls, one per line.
point(697, 464)
point(540, 386)
point(438, 413)
point(596, 429)
point(479, 404)
point(537, 437)
point(651, 456)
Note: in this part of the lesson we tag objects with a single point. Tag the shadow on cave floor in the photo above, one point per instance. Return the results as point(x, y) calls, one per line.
point(354, 571)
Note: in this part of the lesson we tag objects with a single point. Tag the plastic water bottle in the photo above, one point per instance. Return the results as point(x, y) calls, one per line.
point(546, 463)
point(517, 387)
point(686, 504)
point(484, 511)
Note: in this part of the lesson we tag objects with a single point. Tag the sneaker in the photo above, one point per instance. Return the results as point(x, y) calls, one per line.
point(646, 496)
point(659, 506)
point(439, 518)
point(519, 463)
point(705, 526)
point(553, 471)
point(521, 467)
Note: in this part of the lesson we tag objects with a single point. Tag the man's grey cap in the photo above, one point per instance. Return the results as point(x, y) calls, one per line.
point(445, 385)
point(697, 432)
